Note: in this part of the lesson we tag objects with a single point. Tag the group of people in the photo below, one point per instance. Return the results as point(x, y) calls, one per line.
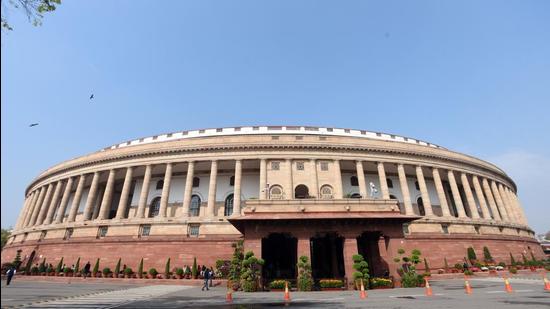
point(208, 275)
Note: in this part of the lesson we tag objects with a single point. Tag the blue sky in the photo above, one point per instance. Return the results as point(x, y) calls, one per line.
point(473, 76)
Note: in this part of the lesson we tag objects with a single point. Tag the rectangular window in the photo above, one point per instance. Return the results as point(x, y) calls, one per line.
point(42, 235)
point(68, 233)
point(300, 166)
point(102, 231)
point(324, 166)
point(194, 230)
point(144, 230)
point(275, 165)
point(445, 228)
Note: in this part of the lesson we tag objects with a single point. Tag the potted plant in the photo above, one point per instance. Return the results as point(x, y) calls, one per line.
point(278, 285)
point(250, 272)
point(153, 273)
point(34, 271)
point(140, 269)
point(167, 272)
point(331, 284)
point(106, 272)
point(513, 270)
point(95, 270)
point(179, 273)
point(381, 283)
point(116, 273)
point(234, 276)
point(305, 280)
point(128, 272)
point(361, 271)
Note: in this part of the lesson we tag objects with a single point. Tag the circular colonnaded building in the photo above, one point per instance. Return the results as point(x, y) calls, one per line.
point(288, 191)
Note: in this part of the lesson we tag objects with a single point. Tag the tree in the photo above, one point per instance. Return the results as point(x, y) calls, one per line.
point(471, 254)
point(140, 268)
point(96, 267)
point(77, 265)
point(512, 260)
point(167, 269)
point(194, 270)
point(117, 267)
point(17, 260)
point(250, 272)
point(5, 235)
point(305, 280)
point(487, 255)
point(236, 264)
point(59, 266)
point(34, 9)
point(361, 269)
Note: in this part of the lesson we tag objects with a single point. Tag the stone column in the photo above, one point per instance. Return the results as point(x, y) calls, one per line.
point(490, 199)
point(64, 201)
point(123, 203)
point(165, 196)
point(23, 211)
point(405, 189)
point(76, 200)
point(514, 206)
point(361, 179)
point(500, 205)
point(456, 195)
point(44, 207)
point(424, 192)
point(263, 179)
point(32, 203)
point(338, 191)
point(211, 205)
point(469, 196)
point(441, 193)
point(26, 209)
point(315, 181)
point(188, 189)
point(481, 198)
point(144, 192)
point(383, 181)
point(304, 248)
point(91, 198)
point(97, 204)
point(520, 209)
point(107, 196)
point(53, 203)
point(38, 205)
point(289, 181)
point(506, 203)
point(350, 249)
point(237, 192)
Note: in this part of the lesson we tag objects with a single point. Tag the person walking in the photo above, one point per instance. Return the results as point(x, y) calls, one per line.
point(86, 269)
point(206, 277)
point(9, 274)
point(211, 276)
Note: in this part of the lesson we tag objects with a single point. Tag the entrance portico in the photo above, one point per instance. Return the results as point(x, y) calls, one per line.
point(329, 232)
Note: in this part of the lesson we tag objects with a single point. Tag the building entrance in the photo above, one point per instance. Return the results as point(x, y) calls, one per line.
point(367, 246)
point(327, 256)
point(279, 253)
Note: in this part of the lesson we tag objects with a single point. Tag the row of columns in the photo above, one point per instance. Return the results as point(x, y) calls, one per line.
point(41, 204)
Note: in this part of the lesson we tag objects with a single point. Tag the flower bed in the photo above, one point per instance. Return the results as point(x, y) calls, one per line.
point(381, 283)
point(278, 285)
point(331, 284)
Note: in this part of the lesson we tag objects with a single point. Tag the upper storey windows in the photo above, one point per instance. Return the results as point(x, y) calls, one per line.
point(354, 181)
point(196, 182)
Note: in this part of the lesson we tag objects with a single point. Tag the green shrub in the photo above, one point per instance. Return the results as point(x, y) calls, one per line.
point(77, 266)
point(117, 267)
point(250, 272)
point(378, 282)
point(140, 268)
point(222, 268)
point(362, 268)
point(42, 267)
point(167, 268)
point(236, 264)
point(106, 270)
point(487, 255)
point(513, 270)
point(194, 270)
point(305, 279)
point(468, 272)
point(331, 283)
point(512, 260)
point(278, 284)
point(411, 280)
point(459, 266)
point(59, 266)
point(34, 270)
point(478, 265)
point(96, 267)
point(153, 272)
point(471, 254)
point(128, 271)
point(547, 267)
point(502, 264)
point(179, 271)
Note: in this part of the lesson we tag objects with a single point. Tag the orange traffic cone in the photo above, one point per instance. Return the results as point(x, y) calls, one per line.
point(428, 289)
point(507, 285)
point(546, 283)
point(467, 286)
point(287, 293)
point(363, 293)
point(229, 296)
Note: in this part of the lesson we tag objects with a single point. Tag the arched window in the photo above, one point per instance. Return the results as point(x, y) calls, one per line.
point(421, 209)
point(195, 206)
point(232, 181)
point(154, 207)
point(160, 184)
point(228, 210)
point(276, 192)
point(326, 192)
point(416, 185)
point(389, 182)
point(301, 191)
point(354, 181)
point(355, 195)
point(196, 182)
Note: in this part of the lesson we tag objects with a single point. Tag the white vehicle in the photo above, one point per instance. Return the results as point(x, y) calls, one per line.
point(484, 268)
point(499, 267)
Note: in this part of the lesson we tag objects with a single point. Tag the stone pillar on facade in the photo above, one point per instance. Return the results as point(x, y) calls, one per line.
point(441, 193)
point(76, 200)
point(26, 209)
point(263, 179)
point(507, 205)
point(212, 189)
point(490, 199)
point(165, 196)
point(350, 249)
point(498, 200)
point(314, 179)
point(424, 192)
point(456, 195)
point(469, 196)
point(38, 205)
point(405, 189)
point(520, 208)
point(32, 204)
point(44, 207)
point(144, 192)
point(517, 211)
point(107, 196)
point(23, 211)
point(361, 179)
point(123, 202)
point(237, 186)
point(289, 181)
point(91, 198)
point(98, 200)
point(188, 189)
point(481, 198)
point(53, 203)
point(304, 247)
point(64, 201)
point(383, 181)
point(338, 191)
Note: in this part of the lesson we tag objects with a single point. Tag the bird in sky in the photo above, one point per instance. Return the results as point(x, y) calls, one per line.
point(92, 96)
point(33, 124)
